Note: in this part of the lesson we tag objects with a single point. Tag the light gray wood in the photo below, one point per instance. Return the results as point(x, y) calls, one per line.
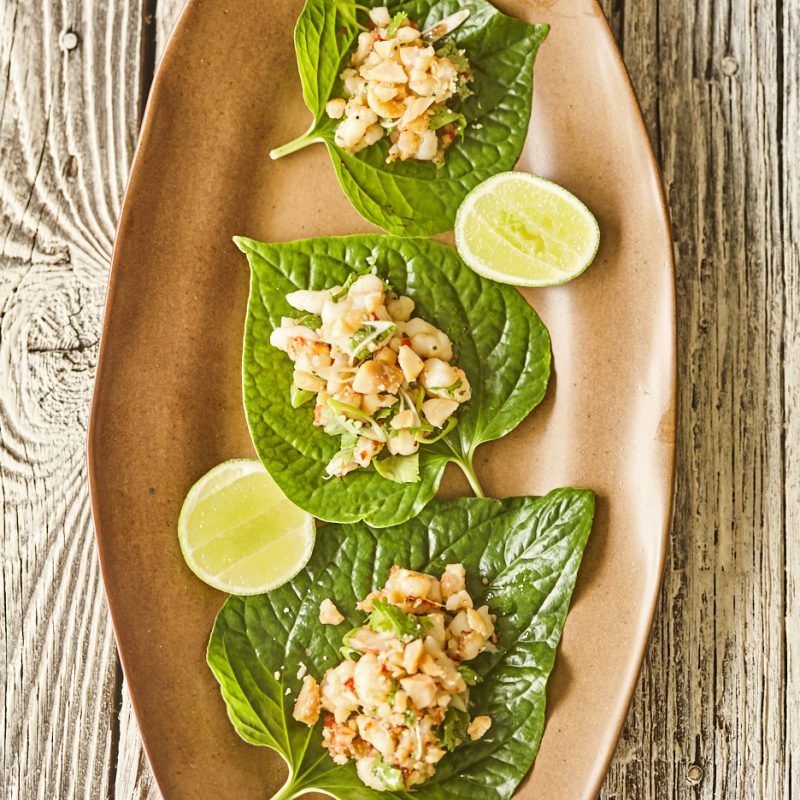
point(716, 715)
point(167, 14)
point(790, 378)
point(69, 89)
point(716, 711)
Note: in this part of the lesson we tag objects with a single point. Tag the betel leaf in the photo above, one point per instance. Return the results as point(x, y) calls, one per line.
point(521, 557)
point(416, 198)
point(498, 340)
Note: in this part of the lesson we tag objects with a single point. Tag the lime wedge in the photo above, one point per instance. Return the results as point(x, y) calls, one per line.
point(239, 533)
point(521, 229)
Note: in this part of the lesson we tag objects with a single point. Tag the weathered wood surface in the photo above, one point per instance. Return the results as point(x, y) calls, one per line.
point(717, 712)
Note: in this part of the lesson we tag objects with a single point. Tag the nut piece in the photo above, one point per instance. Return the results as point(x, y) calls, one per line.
point(421, 690)
point(478, 727)
point(412, 655)
point(410, 363)
point(438, 410)
point(401, 308)
point(377, 376)
point(453, 579)
point(329, 614)
point(335, 109)
point(306, 709)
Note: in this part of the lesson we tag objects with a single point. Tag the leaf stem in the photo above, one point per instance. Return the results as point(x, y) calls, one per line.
point(296, 144)
point(465, 463)
point(287, 791)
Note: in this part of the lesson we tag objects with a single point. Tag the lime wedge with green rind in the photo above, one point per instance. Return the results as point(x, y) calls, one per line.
point(521, 229)
point(239, 533)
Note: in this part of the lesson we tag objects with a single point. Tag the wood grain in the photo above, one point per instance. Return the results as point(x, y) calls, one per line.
point(69, 81)
point(716, 714)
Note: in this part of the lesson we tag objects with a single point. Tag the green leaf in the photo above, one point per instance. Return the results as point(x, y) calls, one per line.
point(323, 35)
point(444, 116)
point(398, 19)
point(454, 728)
point(389, 618)
point(451, 51)
point(498, 339)
point(400, 469)
point(313, 321)
point(370, 337)
point(415, 198)
point(527, 550)
point(471, 678)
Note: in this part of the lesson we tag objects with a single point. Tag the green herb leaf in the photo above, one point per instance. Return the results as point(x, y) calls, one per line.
point(444, 116)
point(313, 321)
point(358, 271)
point(500, 342)
point(391, 619)
point(370, 337)
point(415, 198)
point(451, 52)
point(400, 18)
point(528, 549)
point(453, 730)
point(335, 423)
point(471, 678)
point(400, 469)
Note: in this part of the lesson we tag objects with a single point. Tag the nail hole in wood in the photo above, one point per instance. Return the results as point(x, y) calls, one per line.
point(69, 40)
point(730, 66)
point(694, 774)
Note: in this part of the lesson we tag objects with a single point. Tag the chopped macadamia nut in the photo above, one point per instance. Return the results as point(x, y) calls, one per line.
point(306, 708)
point(478, 727)
point(329, 614)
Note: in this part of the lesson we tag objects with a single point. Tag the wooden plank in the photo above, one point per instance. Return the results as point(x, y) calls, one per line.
point(790, 354)
point(715, 714)
point(69, 89)
point(167, 13)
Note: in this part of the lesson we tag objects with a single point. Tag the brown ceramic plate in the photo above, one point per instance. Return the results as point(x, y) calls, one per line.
point(167, 405)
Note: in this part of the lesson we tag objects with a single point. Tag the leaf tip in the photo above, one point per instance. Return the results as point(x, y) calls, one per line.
point(244, 243)
point(584, 497)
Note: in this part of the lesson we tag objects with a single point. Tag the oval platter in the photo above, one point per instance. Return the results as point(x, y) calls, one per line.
point(167, 404)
